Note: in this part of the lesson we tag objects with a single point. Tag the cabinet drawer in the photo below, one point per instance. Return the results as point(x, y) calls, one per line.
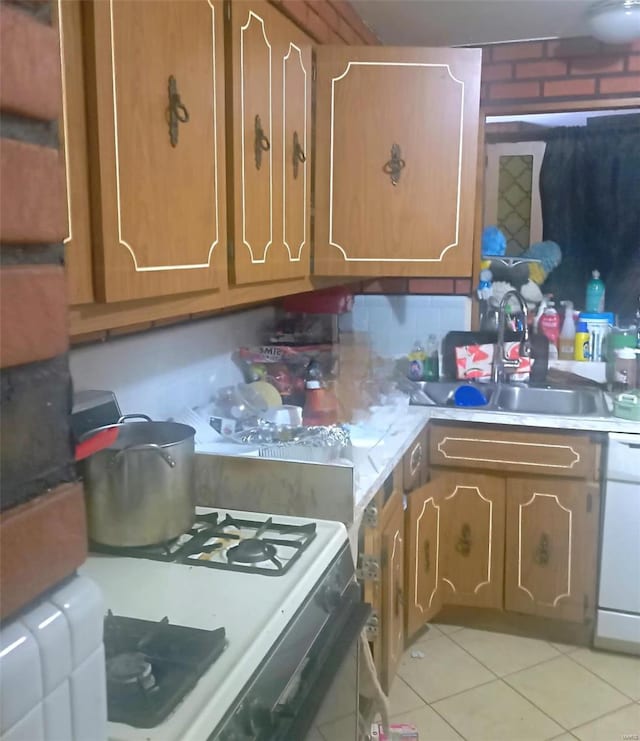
point(414, 463)
point(512, 450)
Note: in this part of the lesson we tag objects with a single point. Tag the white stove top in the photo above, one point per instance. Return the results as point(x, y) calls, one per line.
point(254, 609)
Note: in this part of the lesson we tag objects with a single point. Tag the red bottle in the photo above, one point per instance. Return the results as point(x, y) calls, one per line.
point(320, 404)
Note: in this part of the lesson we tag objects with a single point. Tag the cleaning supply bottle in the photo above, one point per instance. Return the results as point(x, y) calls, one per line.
point(431, 370)
point(566, 343)
point(594, 301)
point(549, 326)
point(416, 361)
point(582, 342)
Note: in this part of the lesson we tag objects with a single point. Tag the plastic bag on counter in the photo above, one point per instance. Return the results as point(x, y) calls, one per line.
point(285, 367)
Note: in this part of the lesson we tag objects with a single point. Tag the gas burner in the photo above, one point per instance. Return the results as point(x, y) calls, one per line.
point(253, 550)
point(257, 546)
point(131, 668)
point(151, 666)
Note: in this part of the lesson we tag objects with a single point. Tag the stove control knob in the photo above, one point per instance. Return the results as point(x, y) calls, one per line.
point(329, 598)
point(259, 717)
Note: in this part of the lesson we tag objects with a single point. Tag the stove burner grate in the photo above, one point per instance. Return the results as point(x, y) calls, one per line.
point(152, 666)
point(211, 534)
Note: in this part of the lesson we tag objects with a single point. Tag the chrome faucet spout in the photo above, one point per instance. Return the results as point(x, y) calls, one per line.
point(500, 360)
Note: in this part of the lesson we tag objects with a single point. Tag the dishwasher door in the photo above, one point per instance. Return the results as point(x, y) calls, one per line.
point(618, 623)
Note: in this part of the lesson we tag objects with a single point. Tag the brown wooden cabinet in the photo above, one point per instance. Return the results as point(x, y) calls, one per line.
point(551, 531)
point(396, 157)
point(423, 586)
point(155, 90)
point(270, 100)
point(381, 570)
point(393, 599)
point(471, 542)
point(73, 144)
point(522, 538)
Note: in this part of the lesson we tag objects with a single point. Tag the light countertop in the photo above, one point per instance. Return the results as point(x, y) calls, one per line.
point(403, 425)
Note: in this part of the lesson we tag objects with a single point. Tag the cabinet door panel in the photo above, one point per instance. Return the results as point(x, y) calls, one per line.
point(271, 96)
point(471, 538)
point(296, 112)
point(162, 203)
point(392, 594)
point(422, 564)
point(73, 134)
point(551, 548)
point(421, 104)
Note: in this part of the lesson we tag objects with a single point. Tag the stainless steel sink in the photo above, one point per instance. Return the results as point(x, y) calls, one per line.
point(440, 393)
point(521, 399)
point(576, 402)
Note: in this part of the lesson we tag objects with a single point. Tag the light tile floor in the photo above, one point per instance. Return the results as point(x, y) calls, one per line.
point(483, 686)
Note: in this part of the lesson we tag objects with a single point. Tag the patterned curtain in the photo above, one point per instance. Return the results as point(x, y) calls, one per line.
point(590, 192)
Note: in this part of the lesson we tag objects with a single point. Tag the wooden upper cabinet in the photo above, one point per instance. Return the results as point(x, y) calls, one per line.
point(73, 144)
point(270, 100)
point(158, 189)
point(551, 548)
point(471, 542)
point(396, 159)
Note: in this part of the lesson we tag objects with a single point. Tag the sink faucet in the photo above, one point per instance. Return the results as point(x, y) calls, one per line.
point(500, 360)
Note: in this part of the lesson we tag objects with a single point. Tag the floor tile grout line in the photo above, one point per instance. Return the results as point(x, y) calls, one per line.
point(602, 679)
point(460, 692)
point(537, 707)
point(406, 710)
point(509, 674)
point(446, 721)
point(600, 717)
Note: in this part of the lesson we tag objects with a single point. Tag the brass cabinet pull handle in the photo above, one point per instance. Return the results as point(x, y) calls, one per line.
point(176, 112)
point(262, 143)
point(427, 556)
point(542, 554)
point(298, 154)
point(394, 166)
point(463, 546)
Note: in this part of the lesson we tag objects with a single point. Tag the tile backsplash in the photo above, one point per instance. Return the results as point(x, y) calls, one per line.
point(166, 370)
point(394, 323)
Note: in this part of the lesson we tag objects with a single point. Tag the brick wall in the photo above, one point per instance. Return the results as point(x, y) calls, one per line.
point(559, 70)
point(40, 498)
point(328, 21)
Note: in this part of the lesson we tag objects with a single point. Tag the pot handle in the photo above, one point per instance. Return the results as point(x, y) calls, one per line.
point(133, 416)
point(147, 446)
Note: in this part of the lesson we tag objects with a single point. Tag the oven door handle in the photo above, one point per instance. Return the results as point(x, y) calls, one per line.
point(351, 627)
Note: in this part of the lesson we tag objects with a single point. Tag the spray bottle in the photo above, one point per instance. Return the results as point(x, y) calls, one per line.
point(547, 322)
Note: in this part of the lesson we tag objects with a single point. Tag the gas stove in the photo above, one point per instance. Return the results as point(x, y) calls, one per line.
point(151, 666)
point(257, 544)
point(247, 632)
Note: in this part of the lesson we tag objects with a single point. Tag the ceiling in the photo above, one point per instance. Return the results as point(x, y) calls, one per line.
point(459, 22)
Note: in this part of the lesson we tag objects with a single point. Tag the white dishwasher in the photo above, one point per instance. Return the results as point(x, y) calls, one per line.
point(618, 621)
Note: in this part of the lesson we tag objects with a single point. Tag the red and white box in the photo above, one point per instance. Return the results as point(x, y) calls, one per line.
point(398, 731)
point(474, 362)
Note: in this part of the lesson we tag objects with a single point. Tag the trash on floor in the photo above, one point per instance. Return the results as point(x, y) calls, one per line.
point(398, 732)
point(415, 654)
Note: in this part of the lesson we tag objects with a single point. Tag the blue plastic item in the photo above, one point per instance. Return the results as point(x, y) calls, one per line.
point(469, 396)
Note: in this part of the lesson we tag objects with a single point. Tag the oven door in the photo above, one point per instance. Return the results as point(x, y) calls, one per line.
point(325, 689)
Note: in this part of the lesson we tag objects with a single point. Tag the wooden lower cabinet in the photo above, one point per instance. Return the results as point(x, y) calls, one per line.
point(551, 547)
point(393, 600)
point(381, 573)
point(422, 557)
point(471, 538)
